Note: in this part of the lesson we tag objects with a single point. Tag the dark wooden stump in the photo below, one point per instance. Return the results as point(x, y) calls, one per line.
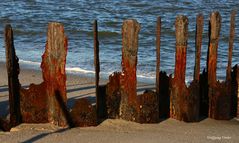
point(148, 108)
point(13, 82)
point(83, 114)
point(34, 104)
point(113, 95)
point(164, 95)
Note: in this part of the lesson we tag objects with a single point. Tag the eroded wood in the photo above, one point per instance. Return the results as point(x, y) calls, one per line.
point(47, 102)
point(13, 82)
point(128, 106)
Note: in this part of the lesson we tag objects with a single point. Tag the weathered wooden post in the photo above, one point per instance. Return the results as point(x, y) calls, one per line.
point(214, 31)
point(158, 33)
point(178, 83)
point(47, 102)
point(97, 69)
point(54, 75)
point(162, 80)
point(214, 27)
point(128, 106)
point(184, 101)
point(231, 41)
point(218, 93)
point(231, 79)
point(198, 44)
point(13, 82)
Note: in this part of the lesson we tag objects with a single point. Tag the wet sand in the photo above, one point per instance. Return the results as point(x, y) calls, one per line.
point(170, 130)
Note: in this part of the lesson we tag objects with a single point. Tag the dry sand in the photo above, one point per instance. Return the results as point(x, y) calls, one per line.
point(170, 130)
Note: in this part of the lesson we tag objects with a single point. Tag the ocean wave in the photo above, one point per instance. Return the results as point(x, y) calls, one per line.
point(29, 62)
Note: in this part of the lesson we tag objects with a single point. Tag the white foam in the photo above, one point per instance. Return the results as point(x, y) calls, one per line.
point(29, 62)
point(75, 69)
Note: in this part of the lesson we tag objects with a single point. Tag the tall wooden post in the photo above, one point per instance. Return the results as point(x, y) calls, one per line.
point(13, 82)
point(158, 32)
point(231, 41)
point(97, 70)
point(178, 83)
point(217, 92)
point(181, 25)
point(214, 33)
point(128, 107)
point(198, 44)
point(54, 76)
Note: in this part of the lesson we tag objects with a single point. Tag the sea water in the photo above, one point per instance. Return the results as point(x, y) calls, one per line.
point(29, 19)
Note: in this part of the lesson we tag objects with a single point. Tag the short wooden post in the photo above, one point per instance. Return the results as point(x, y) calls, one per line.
point(158, 33)
point(231, 41)
point(198, 44)
point(130, 30)
point(13, 82)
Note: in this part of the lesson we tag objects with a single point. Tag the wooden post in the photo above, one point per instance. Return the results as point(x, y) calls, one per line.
point(214, 31)
point(97, 68)
point(181, 25)
point(231, 41)
point(158, 32)
point(54, 76)
point(178, 83)
point(237, 79)
point(198, 44)
point(130, 30)
point(13, 82)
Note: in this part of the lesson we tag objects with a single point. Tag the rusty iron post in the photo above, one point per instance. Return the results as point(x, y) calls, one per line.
point(13, 82)
point(158, 33)
point(198, 44)
point(128, 107)
point(231, 41)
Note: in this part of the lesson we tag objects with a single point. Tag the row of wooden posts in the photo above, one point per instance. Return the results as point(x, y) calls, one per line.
point(204, 97)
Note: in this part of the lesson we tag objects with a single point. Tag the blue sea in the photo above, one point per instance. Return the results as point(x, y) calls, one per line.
point(29, 19)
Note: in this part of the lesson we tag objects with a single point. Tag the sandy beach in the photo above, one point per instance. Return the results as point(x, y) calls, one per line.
point(169, 130)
